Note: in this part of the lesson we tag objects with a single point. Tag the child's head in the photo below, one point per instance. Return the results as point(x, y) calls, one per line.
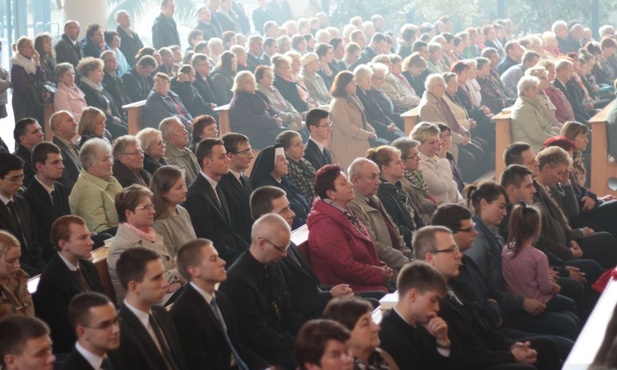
point(525, 226)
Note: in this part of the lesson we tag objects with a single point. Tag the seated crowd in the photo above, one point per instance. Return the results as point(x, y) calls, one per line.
point(199, 229)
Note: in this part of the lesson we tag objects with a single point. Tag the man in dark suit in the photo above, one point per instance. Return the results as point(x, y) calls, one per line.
point(338, 51)
point(563, 76)
point(270, 47)
point(207, 205)
point(95, 321)
point(203, 82)
point(279, 10)
point(256, 288)
point(131, 43)
point(255, 49)
point(45, 194)
point(27, 133)
point(320, 127)
point(64, 127)
point(148, 337)
point(68, 49)
point(377, 46)
point(235, 185)
point(137, 80)
point(183, 86)
point(204, 319)
point(16, 216)
point(68, 273)
point(111, 81)
point(164, 29)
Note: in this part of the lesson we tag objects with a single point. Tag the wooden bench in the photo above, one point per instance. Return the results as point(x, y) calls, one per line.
point(99, 258)
point(503, 139)
point(601, 169)
point(134, 115)
point(224, 123)
point(48, 111)
point(410, 119)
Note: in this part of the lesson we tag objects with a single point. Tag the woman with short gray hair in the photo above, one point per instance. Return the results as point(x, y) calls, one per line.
point(154, 149)
point(128, 166)
point(68, 96)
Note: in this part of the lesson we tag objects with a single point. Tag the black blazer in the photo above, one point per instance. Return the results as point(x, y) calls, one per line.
point(238, 200)
point(209, 222)
point(130, 45)
point(72, 166)
point(75, 361)
point(26, 155)
point(317, 158)
point(205, 90)
point(201, 336)
point(31, 259)
point(126, 177)
point(253, 61)
point(164, 32)
point(138, 351)
point(53, 294)
point(210, 30)
point(115, 87)
point(67, 52)
point(46, 212)
point(137, 87)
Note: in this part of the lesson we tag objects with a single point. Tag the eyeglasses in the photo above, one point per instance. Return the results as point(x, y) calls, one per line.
point(280, 249)
point(147, 207)
point(137, 152)
point(16, 178)
point(466, 230)
point(449, 250)
point(243, 152)
point(107, 324)
point(329, 124)
point(413, 156)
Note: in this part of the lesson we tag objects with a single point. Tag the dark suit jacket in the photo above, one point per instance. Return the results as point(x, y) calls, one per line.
point(238, 200)
point(31, 259)
point(72, 166)
point(115, 88)
point(164, 32)
point(253, 61)
point(190, 97)
point(26, 155)
point(576, 101)
point(205, 90)
point(138, 351)
point(66, 52)
point(210, 30)
point(46, 212)
point(130, 45)
point(209, 222)
point(201, 336)
point(100, 100)
point(317, 158)
point(55, 290)
point(75, 361)
point(137, 87)
point(159, 107)
point(126, 177)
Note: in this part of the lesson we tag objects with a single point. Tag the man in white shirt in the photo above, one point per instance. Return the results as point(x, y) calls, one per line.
point(320, 128)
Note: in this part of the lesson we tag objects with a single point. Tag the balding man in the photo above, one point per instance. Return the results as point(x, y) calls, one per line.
point(256, 289)
point(69, 49)
point(64, 127)
point(131, 43)
point(176, 147)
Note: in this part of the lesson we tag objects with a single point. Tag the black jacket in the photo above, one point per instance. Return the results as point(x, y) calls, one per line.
point(137, 87)
point(130, 45)
point(238, 200)
point(66, 52)
point(398, 206)
point(164, 32)
point(26, 155)
point(72, 166)
point(126, 177)
point(317, 158)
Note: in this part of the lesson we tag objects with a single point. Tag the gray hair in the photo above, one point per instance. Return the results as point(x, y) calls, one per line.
point(357, 164)
point(91, 151)
point(430, 79)
point(562, 63)
point(215, 41)
point(537, 71)
point(405, 144)
point(380, 67)
point(166, 127)
point(122, 143)
point(148, 137)
point(62, 68)
point(361, 71)
point(526, 82)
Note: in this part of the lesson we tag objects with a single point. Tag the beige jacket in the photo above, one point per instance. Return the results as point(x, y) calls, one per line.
point(93, 199)
point(350, 131)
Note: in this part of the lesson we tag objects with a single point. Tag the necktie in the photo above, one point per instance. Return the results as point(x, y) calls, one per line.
point(327, 155)
point(243, 182)
point(394, 237)
point(222, 203)
point(163, 345)
point(81, 280)
point(52, 195)
point(106, 365)
point(16, 221)
point(219, 317)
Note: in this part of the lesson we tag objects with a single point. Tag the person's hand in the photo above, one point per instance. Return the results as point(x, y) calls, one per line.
point(588, 203)
point(485, 110)
point(387, 273)
point(589, 107)
point(523, 353)
point(279, 121)
point(392, 127)
point(441, 153)
point(341, 290)
point(576, 274)
point(372, 135)
point(183, 77)
point(607, 198)
point(553, 274)
point(556, 288)
point(37, 57)
point(438, 328)
point(172, 287)
point(588, 231)
point(472, 124)
point(533, 306)
point(117, 120)
point(576, 250)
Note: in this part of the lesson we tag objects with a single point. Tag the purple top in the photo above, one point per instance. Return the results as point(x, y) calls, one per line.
point(527, 273)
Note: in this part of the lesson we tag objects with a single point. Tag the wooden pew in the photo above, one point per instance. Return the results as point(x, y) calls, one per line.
point(99, 258)
point(410, 118)
point(48, 110)
point(601, 169)
point(224, 123)
point(134, 115)
point(503, 138)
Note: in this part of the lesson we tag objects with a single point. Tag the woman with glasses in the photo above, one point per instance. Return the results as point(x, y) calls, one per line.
point(301, 172)
point(270, 94)
point(151, 142)
point(204, 126)
point(128, 166)
point(136, 215)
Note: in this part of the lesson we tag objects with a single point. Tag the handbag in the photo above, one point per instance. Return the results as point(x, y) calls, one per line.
point(41, 93)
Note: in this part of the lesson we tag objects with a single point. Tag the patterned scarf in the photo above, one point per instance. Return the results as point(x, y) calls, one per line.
point(350, 216)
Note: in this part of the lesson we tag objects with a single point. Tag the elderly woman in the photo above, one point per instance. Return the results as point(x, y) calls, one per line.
point(27, 75)
point(128, 166)
point(92, 125)
point(435, 56)
point(563, 109)
point(112, 39)
point(313, 81)
point(413, 183)
point(136, 216)
point(163, 103)
point(152, 144)
point(43, 44)
point(340, 248)
point(223, 77)
point(396, 86)
point(204, 126)
point(351, 132)
point(529, 124)
point(355, 314)
point(271, 168)
point(287, 85)
point(434, 166)
point(171, 221)
point(91, 72)
point(216, 47)
point(13, 281)
point(271, 95)
point(250, 115)
point(92, 197)
point(548, 108)
point(68, 96)
point(300, 171)
point(94, 42)
point(414, 67)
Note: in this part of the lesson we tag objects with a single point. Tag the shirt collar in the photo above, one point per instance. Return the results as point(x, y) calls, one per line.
point(143, 317)
point(210, 180)
point(49, 190)
point(68, 263)
point(5, 200)
point(94, 360)
point(319, 145)
point(236, 174)
point(207, 296)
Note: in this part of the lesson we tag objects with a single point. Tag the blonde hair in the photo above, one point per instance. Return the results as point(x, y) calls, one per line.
point(241, 79)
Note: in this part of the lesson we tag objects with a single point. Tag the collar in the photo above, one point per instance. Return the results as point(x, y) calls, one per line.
point(68, 263)
point(49, 190)
point(401, 316)
point(5, 200)
point(173, 151)
point(143, 317)
point(236, 174)
point(103, 184)
point(319, 145)
point(210, 180)
point(207, 296)
point(69, 144)
point(94, 360)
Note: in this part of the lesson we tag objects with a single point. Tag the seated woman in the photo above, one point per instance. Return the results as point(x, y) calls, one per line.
point(355, 314)
point(288, 86)
point(112, 39)
point(445, 136)
point(312, 80)
point(13, 281)
point(395, 201)
point(43, 44)
point(250, 115)
point(271, 168)
point(68, 96)
point(92, 197)
point(413, 183)
point(204, 126)
point(163, 103)
point(128, 166)
point(548, 108)
point(434, 166)
point(414, 67)
point(528, 122)
point(91, 72)
point(340, 248)
point(94, 42)
point(136, 216)
point(152, 144)
point(563, 108)
point(300, 171)
point(26, 72)
point(318, 341)
point(92, 125)
point(270, 94)
point(223, 78)
point(171, 221)
point(398, 89)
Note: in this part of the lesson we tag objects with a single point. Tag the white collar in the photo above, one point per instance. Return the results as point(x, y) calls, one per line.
point(5, 200)
point(210, 180)
point(319, 145)
point(236, 174)
point(143, 317)
point(68, 263)
point(49, 190)
point(94, 360)
point(207, 296)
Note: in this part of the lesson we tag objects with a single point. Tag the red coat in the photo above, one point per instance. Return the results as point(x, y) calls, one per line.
point(339, 253)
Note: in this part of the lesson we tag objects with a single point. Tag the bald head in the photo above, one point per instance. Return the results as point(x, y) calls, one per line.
point(72, 29)
point(63, 125)
point(270, 237)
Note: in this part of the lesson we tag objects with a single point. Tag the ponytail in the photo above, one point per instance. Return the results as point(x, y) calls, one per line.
point(524, 225)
